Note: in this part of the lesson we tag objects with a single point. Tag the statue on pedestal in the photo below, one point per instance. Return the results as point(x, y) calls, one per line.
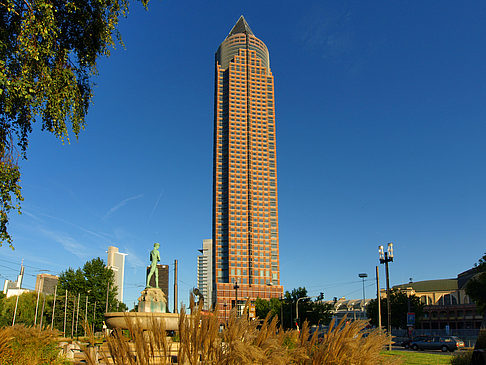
point(153, 299)
point(154, 259)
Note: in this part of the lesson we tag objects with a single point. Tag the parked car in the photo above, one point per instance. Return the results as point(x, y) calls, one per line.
point(406, 343)
point(447, 343)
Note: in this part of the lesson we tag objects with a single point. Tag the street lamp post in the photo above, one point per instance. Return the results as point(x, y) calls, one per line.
point(281, 312)
point(297, 312)
point(385, 258)
point(236, 287)
point(363, 276)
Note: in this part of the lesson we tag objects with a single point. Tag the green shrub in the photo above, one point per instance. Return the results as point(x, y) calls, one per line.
point(462, 358)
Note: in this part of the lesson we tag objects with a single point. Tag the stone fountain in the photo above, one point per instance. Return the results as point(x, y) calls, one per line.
point(152, 304)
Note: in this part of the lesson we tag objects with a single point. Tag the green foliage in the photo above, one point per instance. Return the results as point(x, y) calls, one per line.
point(264, 307)
point(462, 358)
point(25, 309)
point(313, 311)
point(399, 309)
point(48, 55)
point(476, 287)
point(26, 305)
point(89, 282)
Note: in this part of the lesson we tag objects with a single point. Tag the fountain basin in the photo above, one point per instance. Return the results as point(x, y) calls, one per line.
point(144, 319)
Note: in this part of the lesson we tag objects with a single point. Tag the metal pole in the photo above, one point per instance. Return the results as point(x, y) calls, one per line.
point(42, 311)
point(72, 321)
point(176, 310)
point(86, 316)
point(364, 301)
point(77, 315)
point(53, 307)
point(281, 312)
point(107, 292)
point(388, 299)
point(36, 308)
point(236, 297)
point(378, 297)
point(297, 312)
point(15, 311)
point(94, 315)
point(65, 311)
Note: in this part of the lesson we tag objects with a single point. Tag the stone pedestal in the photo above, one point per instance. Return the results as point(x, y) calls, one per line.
point(152, 300)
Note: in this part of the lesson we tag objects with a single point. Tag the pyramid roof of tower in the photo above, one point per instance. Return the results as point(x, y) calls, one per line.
point(241, 26)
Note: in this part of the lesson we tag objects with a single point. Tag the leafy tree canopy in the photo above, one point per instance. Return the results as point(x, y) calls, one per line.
point(25, 309)
point(476, 286)
point(313, 311)
point(263, 307)
point(399, 301)
point(48, 55)
point(91, 281)
point(476, 289)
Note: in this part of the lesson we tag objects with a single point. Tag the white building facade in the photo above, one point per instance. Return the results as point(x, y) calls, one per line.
point(204, 272)
point(116, 262)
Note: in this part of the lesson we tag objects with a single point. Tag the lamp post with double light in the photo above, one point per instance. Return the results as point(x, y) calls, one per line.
point(385, 258)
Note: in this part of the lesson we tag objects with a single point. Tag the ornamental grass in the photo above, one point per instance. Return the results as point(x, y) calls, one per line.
point(200, 341)
point(23, 345)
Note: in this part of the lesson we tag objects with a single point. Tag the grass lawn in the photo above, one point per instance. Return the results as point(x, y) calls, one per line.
point(420, 358)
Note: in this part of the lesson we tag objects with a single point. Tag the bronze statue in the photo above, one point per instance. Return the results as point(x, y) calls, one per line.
point(154, 259)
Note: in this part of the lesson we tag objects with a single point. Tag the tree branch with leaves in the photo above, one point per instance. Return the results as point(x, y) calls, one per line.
point(48, 55)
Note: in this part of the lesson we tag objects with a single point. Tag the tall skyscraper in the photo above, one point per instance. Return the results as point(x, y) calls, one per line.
point(204, 272)
point(116, 262)
point(245, 215)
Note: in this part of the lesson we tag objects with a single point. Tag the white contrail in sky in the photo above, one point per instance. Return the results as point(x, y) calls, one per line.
point(156, 203)
point(121, 204)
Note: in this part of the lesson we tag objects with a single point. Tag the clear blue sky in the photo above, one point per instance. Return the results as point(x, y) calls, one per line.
point(381, 118)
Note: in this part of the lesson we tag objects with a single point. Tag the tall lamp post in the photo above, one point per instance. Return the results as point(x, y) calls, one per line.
point(385, 258)
point(297, 311)
point(236, 287)
point(363, 276)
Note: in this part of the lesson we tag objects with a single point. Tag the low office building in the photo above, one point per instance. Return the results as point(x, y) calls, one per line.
point(446, 303)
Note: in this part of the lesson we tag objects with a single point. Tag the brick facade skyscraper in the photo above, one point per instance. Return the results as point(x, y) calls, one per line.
point(245, 214)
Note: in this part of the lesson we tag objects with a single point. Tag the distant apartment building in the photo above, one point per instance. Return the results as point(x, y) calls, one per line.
point(116, 262)
point(46, 283)
point(205, 272)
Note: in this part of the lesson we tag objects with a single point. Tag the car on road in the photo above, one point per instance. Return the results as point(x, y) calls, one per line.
point(406, 343)
point(444, 343)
